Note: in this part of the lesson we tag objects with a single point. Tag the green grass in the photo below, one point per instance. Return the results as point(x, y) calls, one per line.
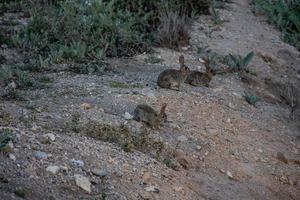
point(285, 15)
point(237, 62)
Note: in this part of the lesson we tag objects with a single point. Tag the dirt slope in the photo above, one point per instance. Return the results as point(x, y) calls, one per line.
point(215, 145)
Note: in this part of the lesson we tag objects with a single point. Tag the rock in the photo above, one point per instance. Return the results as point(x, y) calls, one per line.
point(182, 138)
point(146, 177)
point(179, 189)
point(128, 116)
point(21, 192)
point(152, 189)
point(230, 105)
point(83, 182)
point(212, 131)
point(48, 138)
point(85, 106)
point(282, 158)
point(53, 169)
point(77, 163)
point(260, 150)
point(40, 155)
point(150, 95)
point(99, 172)
point(181, 158)
point(12, 157)
point(229, 174)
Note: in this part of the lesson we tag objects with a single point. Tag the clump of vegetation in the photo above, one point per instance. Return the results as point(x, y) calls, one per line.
point(5, 138)
point(285, 15)
point(9, 74)
point(79, 30)
point(237, 62)
point(251, 98)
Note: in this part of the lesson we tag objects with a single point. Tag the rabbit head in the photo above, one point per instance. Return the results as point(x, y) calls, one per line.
point(183, 68)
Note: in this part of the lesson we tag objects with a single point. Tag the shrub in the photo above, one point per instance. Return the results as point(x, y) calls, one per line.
point(81, 30)
point(285, 15)
point(173, 30)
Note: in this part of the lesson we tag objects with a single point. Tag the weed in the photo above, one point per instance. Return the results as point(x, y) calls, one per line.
point(9, 74)
point(251, 98)
point(216, 17)
point(173, 30)
point(237, 62)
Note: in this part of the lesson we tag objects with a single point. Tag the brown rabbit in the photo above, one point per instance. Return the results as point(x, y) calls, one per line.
point(172, 78)
point(149, 116)
point(197, 78)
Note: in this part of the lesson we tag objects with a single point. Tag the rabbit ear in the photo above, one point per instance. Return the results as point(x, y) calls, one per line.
point(181, 60)
point(163, 108)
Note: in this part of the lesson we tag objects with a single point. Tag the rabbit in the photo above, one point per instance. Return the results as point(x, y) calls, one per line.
point(197, 78)
point(172, 78)
point(149, 116)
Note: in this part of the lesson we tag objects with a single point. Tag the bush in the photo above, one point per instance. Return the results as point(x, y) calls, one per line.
point(91, 29)
point(285, 15)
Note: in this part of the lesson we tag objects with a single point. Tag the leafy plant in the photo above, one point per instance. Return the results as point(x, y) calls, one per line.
point(251, 98)
point(237, 62)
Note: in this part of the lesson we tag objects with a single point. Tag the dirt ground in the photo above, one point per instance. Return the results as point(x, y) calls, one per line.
point(214, 145)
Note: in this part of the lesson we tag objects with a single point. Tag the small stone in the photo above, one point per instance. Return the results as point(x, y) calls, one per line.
point(181, 158)
point(53, 169)
point(179, 189)
point(146, 177)
point(99, 172)
point(260, 150)
point(152, 189)
point(230, 105)
point(85, 106)
point(40, 155)
point(282, 158)
point(77, 163)
point(229, 174)
point(12, 157)
point(83, 182)
point(212, 131)
point(150, 95)
point(182, 138)
point(128, 116)
point(47, 138)
point(198, 147)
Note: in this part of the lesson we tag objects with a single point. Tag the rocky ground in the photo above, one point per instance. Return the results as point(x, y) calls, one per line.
point(74, 140)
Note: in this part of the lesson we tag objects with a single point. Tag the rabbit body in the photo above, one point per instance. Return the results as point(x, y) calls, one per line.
point(149, 116)
point(172, 78)
point(197, 78)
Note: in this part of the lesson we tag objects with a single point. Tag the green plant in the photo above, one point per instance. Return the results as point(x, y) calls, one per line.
point(237, 62)
point(285, 15)
point(216, 17)
point(251, 98)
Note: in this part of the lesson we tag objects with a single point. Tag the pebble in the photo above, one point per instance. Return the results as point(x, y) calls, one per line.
point(85, 106)
point(99, 172)
point(48, 138)
point(77, 163)
point(182, 138)
point(40, 155)
point(152, 189)
point(229, 174)
point(146, 177)
point(83, 182)
point(128, 116)
point(212, 131)
point(53, 169)
point(260, 150)
point(12, 157)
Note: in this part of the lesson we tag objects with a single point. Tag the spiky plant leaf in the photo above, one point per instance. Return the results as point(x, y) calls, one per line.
point(248, 59)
